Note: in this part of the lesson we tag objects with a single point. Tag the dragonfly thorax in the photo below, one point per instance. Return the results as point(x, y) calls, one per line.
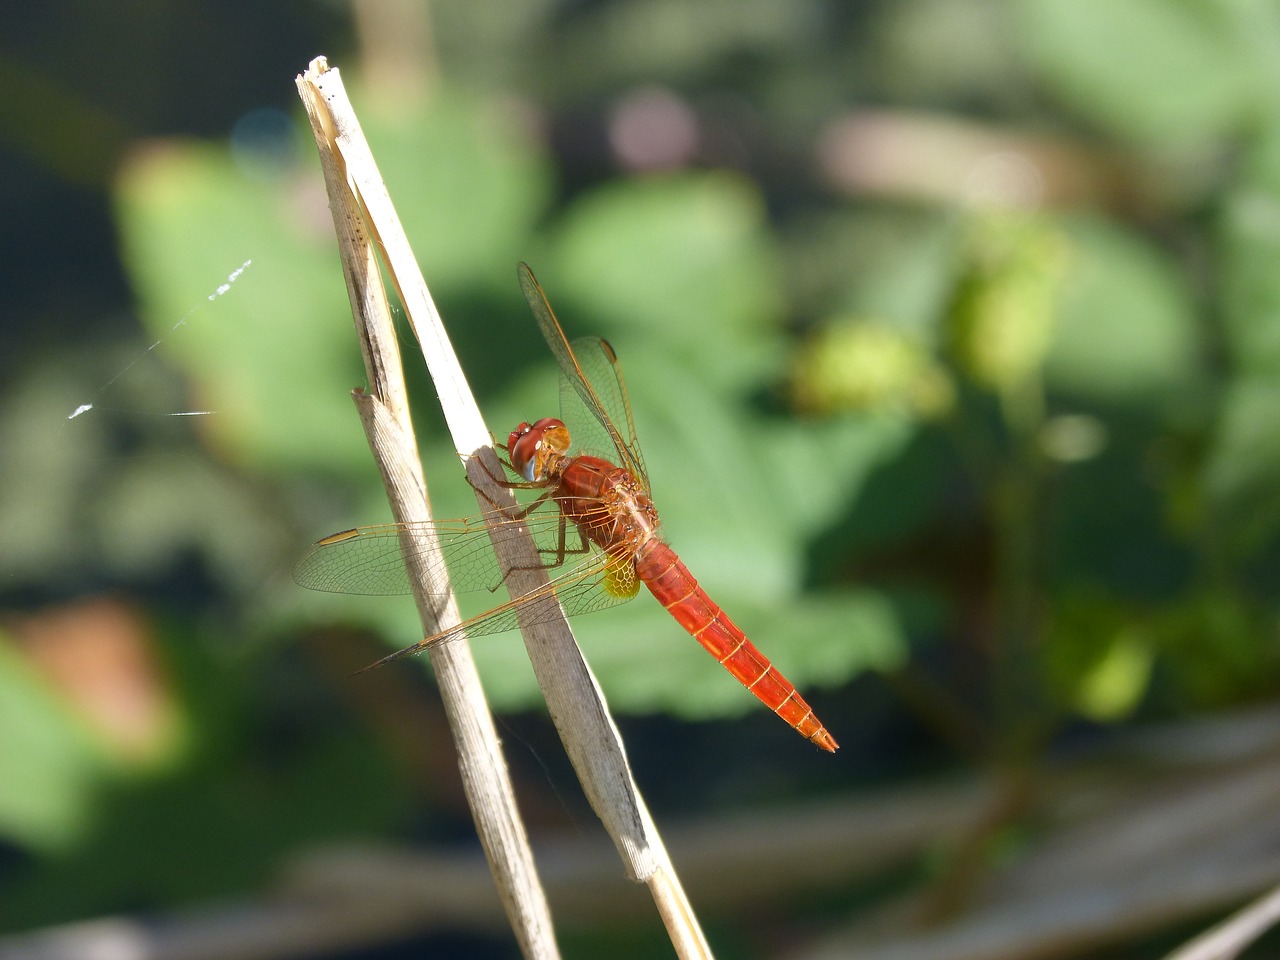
point(535, 450)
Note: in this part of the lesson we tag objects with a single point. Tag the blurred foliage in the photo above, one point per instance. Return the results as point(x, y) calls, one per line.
point(1003, 314)
point(892, 426)
point(49, 760)
point(692, 327)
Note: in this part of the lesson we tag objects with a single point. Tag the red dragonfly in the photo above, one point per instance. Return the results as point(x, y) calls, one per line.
point(594, 521)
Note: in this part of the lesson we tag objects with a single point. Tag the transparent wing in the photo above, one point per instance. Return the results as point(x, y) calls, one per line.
point(583, 588)
point(370, 561)
point(594, 405)
point(593, 394)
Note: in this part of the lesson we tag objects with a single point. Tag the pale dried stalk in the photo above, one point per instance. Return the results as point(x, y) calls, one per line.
point(574, 699)
point(1234, 935)
point(385, 415)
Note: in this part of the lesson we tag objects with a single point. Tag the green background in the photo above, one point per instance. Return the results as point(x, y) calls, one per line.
point(952, 331)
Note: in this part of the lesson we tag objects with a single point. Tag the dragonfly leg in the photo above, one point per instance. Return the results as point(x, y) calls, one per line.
point(533, 505)
point(562, 548)
point(513, 485)
point(523, 512)
point(506, 484)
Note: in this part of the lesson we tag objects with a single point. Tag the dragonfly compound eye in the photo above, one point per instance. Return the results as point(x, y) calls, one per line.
point(554, 434)
point(522, 448)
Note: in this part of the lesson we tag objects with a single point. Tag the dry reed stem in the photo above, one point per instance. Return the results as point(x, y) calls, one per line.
point(574, 699)
point(385, 415)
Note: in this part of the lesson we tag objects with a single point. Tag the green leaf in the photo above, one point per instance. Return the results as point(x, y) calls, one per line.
point(272, 357)
point(52, 771)
point(1249, 232)
point(1144, 69)
point(685, 261)
point(1243, 464)
point(1002, 318)
point(1127, 331)
point(1217, 647)
point(855, 365)
point(467, 188)
point(1098, 655)
point(275, 356)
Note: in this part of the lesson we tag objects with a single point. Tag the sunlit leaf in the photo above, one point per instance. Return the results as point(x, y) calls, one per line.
point(468, 188)
point(1126, 331)
point(1250, 241)
point(1003, 313)
point(684, 260)
point(863, 366)
point(270, 357)
point(275, 356)
point(52, 771)
point(1145, 69)
point(1099, 654)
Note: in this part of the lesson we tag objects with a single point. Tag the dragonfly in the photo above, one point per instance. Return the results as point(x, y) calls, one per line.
point(593, 520)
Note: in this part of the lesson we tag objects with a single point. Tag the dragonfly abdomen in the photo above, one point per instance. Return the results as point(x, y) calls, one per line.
point(670, 581)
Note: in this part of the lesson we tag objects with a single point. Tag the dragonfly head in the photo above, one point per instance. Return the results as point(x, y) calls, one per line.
point(533, 449)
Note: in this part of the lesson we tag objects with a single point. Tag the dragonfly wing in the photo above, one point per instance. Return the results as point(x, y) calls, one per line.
point(370, 560)
point(365, 560)
point(591, 378)
point(614, 436)
point(595, 582)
